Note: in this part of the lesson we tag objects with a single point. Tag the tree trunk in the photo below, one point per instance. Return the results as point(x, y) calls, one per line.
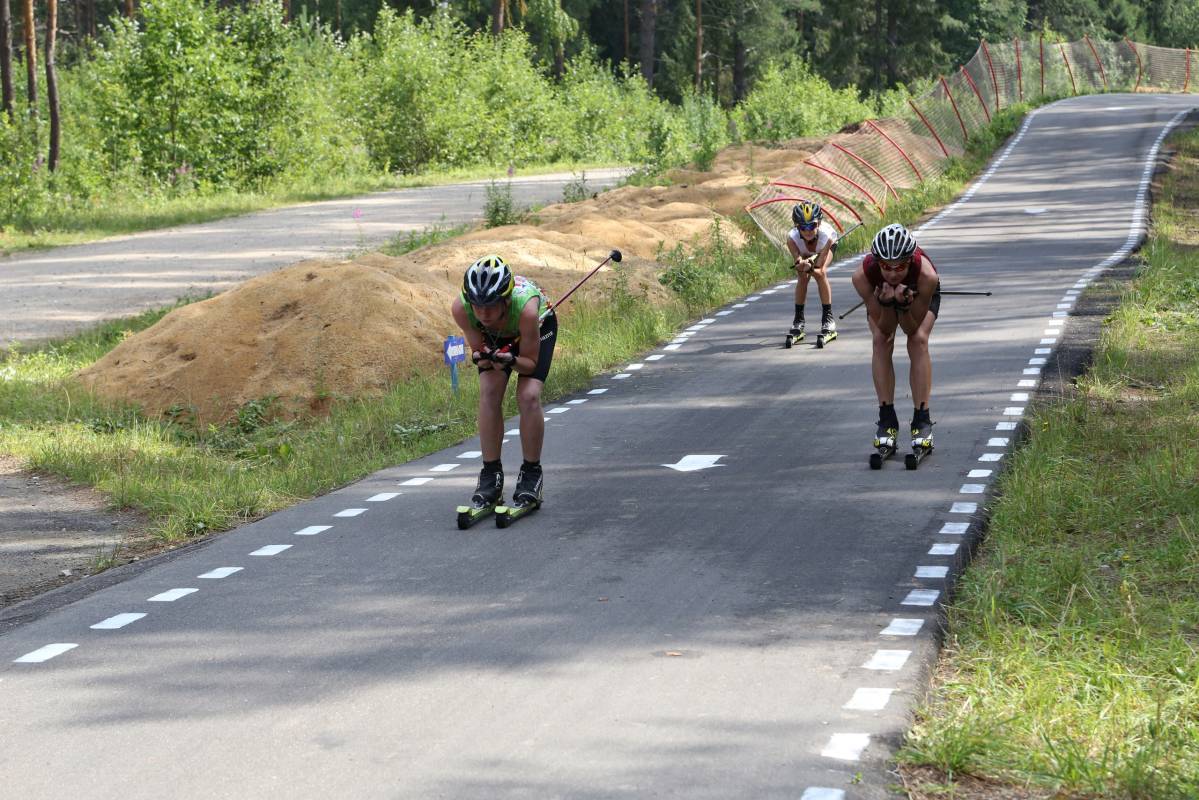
point(337, 19)
point(627, 56)
point(287, 10)
point(6, 56)
point(497, 17)
point(878, 49)
point(645, 42)
point(129, 9)
point(699, 46)
point(31, 56)
point(740, 53)
point(559, 61)
point(52, 81)
point(892, 43)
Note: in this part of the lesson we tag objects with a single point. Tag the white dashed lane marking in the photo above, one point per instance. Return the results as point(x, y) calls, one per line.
point(593, 391)
point(998, 441)
point(45, 653)
point(921, 597)
point(955, 528)
point(383, 497)
point(415, 482)
point(118, 621)
point(1027, 383)
point(312, 530)
point(655, 357)
point(979, 473)
point(887, 660)
point(672, 347)
point(221, 572)
point(846, 746)
point(634, 367)
point(723, 313)
point(350, 512)
point(927, 571)
point(558, 410)
point(1005, 426)
point(171, 595)
point(868, 700)
point(973, 488)
point(621, 376)
point(444, 467)
point(822, 793)
point(963, 508)
point(270, 550)
point(471, 454)
point(990, 456)
point(943, 549)
point(902, 626)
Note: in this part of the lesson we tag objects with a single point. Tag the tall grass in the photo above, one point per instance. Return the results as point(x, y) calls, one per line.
point(1071, 663)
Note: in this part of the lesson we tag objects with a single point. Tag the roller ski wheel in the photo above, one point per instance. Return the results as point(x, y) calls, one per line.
point(824, 338)
point(880, 455)
point(912, 460)
point(469, 515)
point(526, 498)
point(794, 337)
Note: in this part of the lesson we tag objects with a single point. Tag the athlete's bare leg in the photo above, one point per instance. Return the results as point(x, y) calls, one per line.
point(822, 286)
point(492, 384)
point(881, 364)
point(921, 376)
point(532, 419)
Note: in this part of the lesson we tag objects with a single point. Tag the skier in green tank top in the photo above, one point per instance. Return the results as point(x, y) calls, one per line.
point(507, 329)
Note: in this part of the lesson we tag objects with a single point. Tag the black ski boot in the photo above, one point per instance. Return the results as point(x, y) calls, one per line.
point(885, 437)
point(796, 334)
point(922, 438)
point(526, 498)
point(828, 328)
point(488, 495)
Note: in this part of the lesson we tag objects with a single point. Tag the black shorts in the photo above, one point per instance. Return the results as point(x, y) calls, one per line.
point(545, 356)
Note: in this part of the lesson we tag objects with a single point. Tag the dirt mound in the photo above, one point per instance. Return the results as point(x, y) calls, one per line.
point(319, 330)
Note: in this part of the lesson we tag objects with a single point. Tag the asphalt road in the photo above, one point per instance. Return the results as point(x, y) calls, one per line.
point(53, 293)
point(756, 629)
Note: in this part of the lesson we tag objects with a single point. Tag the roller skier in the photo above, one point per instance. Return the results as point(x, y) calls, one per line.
point(811, 244)
point(509, 327)
point(901, 290)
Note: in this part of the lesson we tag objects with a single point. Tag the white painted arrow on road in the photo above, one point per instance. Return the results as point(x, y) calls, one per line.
point(693, 463)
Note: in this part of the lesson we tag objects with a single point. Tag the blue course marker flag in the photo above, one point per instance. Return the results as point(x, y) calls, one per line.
point(455, 353)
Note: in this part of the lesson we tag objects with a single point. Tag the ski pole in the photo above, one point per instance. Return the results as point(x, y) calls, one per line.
point(968, 294)
point(613, 256)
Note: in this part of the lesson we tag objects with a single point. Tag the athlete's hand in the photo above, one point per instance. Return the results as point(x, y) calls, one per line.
point(482, 360)
point(503, 357)
point(802, 264)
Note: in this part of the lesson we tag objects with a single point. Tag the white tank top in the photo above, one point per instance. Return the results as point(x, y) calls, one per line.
point(824, 235)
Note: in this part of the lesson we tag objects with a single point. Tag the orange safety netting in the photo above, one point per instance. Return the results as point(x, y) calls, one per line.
point(857, 173)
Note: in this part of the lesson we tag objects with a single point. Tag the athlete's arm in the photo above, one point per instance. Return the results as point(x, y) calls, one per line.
point(530, 332)
point(874, 309)
point(824, 257)
point(796, 258)
point(926, 285)
point(474, 337)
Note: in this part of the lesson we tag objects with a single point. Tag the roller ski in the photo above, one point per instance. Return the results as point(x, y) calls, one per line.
point(886, 437)
point(828, 331)
point(526, 498)
point(488, 497)
point(795, 335)
point(922, 440)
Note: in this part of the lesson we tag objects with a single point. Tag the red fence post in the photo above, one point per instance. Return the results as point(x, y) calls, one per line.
point(977, 93)
point(1099, 63)
point(1073, 85)
point(1042, 66)
point(1019, 72)
point(954, 103)
point(848, 180)
point(930, 127)
point(1136, 53)
point(991, 66)
point(883, 134)
point(868, 166)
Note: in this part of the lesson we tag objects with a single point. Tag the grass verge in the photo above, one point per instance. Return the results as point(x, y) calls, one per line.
point(1070, 669)
point(131, 215)
point(192, 481)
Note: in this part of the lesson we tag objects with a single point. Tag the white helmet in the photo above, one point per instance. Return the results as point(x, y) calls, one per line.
point(893, 243)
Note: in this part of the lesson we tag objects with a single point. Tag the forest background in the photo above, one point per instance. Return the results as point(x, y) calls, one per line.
point(119, 104)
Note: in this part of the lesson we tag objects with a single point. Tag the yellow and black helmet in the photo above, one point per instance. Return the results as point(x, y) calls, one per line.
point(488, 281)
point(806, 214)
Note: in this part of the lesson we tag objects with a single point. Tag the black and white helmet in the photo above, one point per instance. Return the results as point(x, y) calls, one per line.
point(893, 243)
point(487, 281)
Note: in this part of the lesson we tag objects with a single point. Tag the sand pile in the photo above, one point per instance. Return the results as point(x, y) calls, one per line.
point(321, 330)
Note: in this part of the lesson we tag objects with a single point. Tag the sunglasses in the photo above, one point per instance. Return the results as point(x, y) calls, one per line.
point(894, 266)
point(809, 226)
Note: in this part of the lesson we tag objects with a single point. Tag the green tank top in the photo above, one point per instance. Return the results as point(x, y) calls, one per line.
point(523, 291)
